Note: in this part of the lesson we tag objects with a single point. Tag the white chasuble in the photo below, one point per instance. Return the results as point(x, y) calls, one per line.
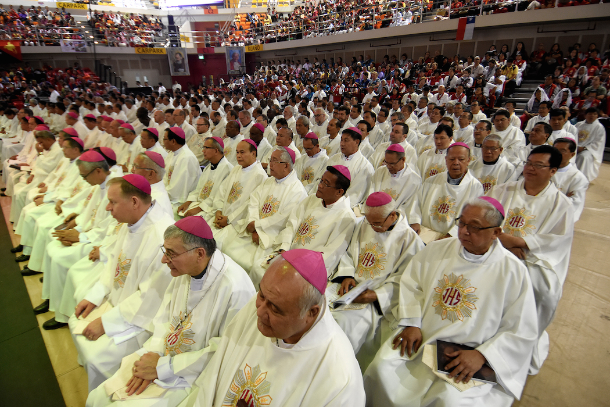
point(133, 282)
point(319, 370)
point(188, 326)
point(378, 157)
point(269, 207)
point(402, 186)
point(593, 138)
point(361, 172)
point(424, 144)
point(574, 184)
point(182, 172)
point(230, 147)
point(546, 223)
point(233, 196)
point(374, 256)
point(331, 146)
point(431, 162)
point(464, 135)
point(439, 203)
point(210, 180)
point(485, 302)
point(309, 169)
point(490, 175)
point(513, 141)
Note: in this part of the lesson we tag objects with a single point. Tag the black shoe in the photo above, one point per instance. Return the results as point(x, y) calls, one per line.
point(2, 189)
point(17, 249)
point(52, 324)
point(42, 308)
point(29, 272)
point(3, 194)
point(41, 279)
point(23, 257)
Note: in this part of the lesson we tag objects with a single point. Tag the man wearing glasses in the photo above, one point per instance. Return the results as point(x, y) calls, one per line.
point(320, 122)
point(399, 134)
point(380, 249)
point(513, 138)
point(311, 165)
point(493, 169)
point(538, 229)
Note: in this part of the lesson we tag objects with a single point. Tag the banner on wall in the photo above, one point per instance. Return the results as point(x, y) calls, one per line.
point(145, 50)
point(73, 45)
point(178, 62)
point(254, 48)
point(75, 6)
point(236, 60)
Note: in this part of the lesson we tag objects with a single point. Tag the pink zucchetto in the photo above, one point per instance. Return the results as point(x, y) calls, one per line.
point(127, 126)
point(459, 144)
point(496, 204)
point(397, 148)
point(195, 225)
point(219, 141)
point(354, 129)
point(251, 142)
point(139, 182)
point(79, 141)
point(310, 265)
point(378, 199)
point(73, 115)
point(259, 126)
point(343, 170)
point(291, 153)
point(70, 132)
point(107, 119)
point(153, 131)
point(91, 156)
point(109, 153)
point(39, 119)
point(119, 121)
point(178, 132)
point(311, 135)
point(90, 116)
point(41, 127)
point(156, 158)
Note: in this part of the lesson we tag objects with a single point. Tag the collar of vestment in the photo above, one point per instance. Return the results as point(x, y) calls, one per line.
point(134, 227)
point(279, 181)
point(248, 168)
point(456, 181)
point(351, 157)
point(564, 169)
point(399, 173)
point(214, 166)
point(477, 258)
point(329, 206)
point(491, 162)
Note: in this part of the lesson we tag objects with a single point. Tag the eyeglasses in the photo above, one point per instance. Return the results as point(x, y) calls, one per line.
point(382, 223)
point(471, 228)
point(537, 166)
point(277, 162)
point(171, 257)
point(492, 149)
point(135, 167)
point(325, 184)
point(90, 172)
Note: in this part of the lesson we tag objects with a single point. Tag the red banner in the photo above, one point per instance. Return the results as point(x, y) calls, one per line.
point(12, 48)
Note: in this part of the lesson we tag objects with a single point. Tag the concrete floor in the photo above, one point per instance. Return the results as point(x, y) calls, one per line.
point(576, 371)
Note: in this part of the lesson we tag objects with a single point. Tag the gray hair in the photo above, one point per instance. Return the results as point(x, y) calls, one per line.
point(385, 210)
point(290, 108)
point(45, 134)
point(494, 137)
point(285, 157)
point(305, 120)
point(152, 165)
point(216, 144)
point(309, 298)
point(190, 241)
point(90, 166)
point(399, 116)
point(492, 215)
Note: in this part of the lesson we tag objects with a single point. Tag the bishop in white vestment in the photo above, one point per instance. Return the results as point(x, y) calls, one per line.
point(568, 177)
point(492, 169)
point(591, 144)
point(311, 165)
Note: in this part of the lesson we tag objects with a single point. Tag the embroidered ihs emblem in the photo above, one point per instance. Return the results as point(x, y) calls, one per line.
point(488, 182)
point(169, 173)
point(583, 135)
point(454, 298)
point(306, 231)
point(235, 192)
point(249, 386)
point(307, 175)
point(206, 190)
point(519, 222)
point(371, 261)
point(435, 169)
point(122, 270)
point(180, 336)
point(391, 192)
point(442, 210)
point(269, 207)
point(76, 190)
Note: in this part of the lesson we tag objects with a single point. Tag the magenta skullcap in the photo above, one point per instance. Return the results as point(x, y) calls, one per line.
point(120, 121)
point(70, 132)
point(250, 141)
point(310, 265)
point(107, 118)
point(291, 153)
point(354, 129)
point(343, 170)
point(197, 226)
point(139, 182)
point(459, 144)
point(156, 157)
point(39, 118)
point(238, 123)
point(259, 126)
point(42, 127)
point(90, 116)
point(219, 141)
point(109, 153)
point(396, 148)
point(378, 199)
point(79, 141)
point(26, 118)
point(311, 135)
point(153, 131)
point(91, 156)
point(127, 126)
point(73, 115)
point(178, 132)
point(496, 204)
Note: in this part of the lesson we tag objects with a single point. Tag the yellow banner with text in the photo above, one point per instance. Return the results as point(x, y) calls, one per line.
point(254, 48)
point(154, 51)
point(76, 6)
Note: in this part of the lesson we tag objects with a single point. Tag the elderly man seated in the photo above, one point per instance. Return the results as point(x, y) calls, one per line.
point(185, 331)
point(432, 161)
point(568, 178)
point(283, 348)
point(442, 196)
point(311, 165)
point(493, 168)
point(380, 249)
point(270, 205)
point(591, 144)
point(469, 291)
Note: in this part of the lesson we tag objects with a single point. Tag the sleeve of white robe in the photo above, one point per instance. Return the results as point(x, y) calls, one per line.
point(238, 215)
point(184, 180)
point(360, 185)
point(411, 296)
point(337, 242)
point(269, 227)
point(346, 266)
point(415, 214)
point(284, 239)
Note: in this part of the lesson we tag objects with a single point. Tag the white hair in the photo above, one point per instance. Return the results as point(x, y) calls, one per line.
point(494, 137)
point(385, 210)
point(492, 215)
point(310, 297)
point(285, 157)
